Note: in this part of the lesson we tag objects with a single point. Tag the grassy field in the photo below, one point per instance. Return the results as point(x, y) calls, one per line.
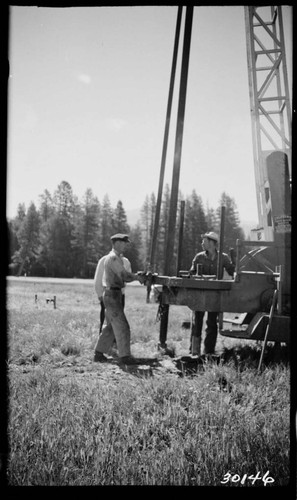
point(75, 422)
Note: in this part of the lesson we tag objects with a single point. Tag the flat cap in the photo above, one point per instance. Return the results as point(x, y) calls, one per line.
point(211, 236)
point(121, 237)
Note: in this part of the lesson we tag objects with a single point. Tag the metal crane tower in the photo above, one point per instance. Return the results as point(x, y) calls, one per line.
point(269, 100)
point(260, 292)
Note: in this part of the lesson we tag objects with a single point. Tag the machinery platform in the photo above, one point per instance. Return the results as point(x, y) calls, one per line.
point(279, 330)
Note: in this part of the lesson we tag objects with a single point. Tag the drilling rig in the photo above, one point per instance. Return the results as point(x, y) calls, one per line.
point(256, 303)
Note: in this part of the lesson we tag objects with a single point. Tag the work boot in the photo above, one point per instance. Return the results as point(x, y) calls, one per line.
point(128, 360)
point(99, 357)
point(196, 346)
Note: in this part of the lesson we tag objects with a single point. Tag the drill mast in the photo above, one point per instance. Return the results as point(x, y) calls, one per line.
point(262, 278)
point(269, 100)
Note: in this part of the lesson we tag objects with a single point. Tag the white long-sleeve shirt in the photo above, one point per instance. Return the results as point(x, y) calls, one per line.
point(99, 278)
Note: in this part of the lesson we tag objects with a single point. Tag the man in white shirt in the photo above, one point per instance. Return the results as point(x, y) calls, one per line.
point(100, 285)
point(114, 278)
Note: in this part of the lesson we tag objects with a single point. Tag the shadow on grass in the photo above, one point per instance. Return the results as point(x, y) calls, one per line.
point(249, 355)
point(241, 357)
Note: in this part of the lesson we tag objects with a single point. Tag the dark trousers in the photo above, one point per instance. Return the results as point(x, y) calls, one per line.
point(211, 331)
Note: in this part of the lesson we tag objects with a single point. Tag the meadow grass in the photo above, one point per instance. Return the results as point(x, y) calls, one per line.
point(74, 422)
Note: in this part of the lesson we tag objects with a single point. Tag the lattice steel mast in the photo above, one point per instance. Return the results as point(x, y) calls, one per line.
point(269, 99)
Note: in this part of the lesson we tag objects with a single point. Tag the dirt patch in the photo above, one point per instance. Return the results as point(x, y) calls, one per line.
point(84, 368)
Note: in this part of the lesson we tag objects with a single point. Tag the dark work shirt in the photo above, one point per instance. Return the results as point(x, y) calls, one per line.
point(209, 266)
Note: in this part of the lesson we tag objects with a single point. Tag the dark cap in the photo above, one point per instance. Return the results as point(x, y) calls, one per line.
point(121, 237)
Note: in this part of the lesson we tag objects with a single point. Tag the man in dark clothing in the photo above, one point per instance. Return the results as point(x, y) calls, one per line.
point(207, 262)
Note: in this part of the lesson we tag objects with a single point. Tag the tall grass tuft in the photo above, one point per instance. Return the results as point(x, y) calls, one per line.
point(66, 431)
point(74, 422)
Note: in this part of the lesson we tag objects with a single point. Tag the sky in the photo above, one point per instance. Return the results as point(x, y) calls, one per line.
point(87, 98)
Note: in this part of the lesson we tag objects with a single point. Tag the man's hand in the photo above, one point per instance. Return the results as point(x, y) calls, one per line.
point(141, 276)
point(145, 278)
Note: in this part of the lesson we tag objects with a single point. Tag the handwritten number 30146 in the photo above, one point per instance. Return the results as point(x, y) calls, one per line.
point(235, 478)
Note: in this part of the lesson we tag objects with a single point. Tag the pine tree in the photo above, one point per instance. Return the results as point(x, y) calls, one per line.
point(59, 248)
point(145, 225)
point(28, 239)
point(232, 229)
point(106, 226)
point(119, 219)
point(90, 233)
point(63, 200)
point(45, 254)
point(211, 218)
point(13, 246)
point(61, 231)
point(163, 229)
point(195, 225)
point(46, 207)
point(66, 237)
point(133, 251)
point(78, 241)
point(21, 214)
point(147, 215)
point(152, 216)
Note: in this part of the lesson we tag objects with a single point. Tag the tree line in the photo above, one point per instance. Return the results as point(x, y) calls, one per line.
point(65, 237)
